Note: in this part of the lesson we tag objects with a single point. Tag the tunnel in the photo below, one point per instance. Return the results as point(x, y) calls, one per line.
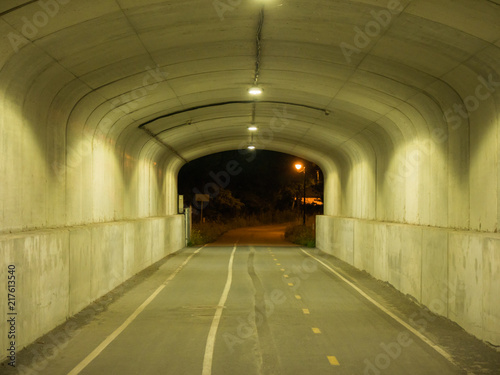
point(103, 101)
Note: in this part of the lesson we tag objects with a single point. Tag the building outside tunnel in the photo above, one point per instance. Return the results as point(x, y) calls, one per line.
point(103, 101)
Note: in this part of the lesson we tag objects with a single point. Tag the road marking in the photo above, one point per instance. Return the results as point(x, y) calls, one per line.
point(316, 330)
point(306, 311)
point(85, 362)
point(275, 259)
point(290, 284)
point(278, 264)
point(286, 276)
point(437, 348)
point(209, 348)
point(298, 297)
point(333, 360)
point(282, 269)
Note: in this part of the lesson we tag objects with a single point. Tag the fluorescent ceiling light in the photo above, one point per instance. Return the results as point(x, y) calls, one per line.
point(253, 128)
point(255, 90)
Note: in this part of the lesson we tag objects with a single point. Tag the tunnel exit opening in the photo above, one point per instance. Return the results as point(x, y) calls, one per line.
point(242, 188)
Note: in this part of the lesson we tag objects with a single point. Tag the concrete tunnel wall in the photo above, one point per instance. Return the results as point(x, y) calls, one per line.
point(420, 204)
point(84, 206)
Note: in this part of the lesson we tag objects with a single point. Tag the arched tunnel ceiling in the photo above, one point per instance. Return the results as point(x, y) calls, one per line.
point(337, 75)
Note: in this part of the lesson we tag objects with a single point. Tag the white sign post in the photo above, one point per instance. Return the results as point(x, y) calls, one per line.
point(202, 198)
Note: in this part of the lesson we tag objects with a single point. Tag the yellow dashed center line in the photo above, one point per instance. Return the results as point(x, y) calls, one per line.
point(333, 360)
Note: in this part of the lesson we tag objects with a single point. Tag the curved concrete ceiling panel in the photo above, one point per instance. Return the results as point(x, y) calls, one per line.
point(361, 80)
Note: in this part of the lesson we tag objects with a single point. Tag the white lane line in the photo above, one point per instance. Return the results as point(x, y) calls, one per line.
point(129, 320)
point(437, 348)
point(209, 348)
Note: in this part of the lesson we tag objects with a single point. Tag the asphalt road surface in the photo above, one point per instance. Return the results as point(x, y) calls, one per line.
point(243, 309)
point(268, 235)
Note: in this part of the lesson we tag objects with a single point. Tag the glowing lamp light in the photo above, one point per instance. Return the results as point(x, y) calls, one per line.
point(298, 166)
point(255, 90)
point(253, 128)
point(251, 147)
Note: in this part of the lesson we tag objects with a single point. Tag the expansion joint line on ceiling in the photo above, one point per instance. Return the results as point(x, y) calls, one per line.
point(258, 52)
point(254, 111)
point(170, 148)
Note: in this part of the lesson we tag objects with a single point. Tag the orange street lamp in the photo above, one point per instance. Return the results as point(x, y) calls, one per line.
point(302, 168)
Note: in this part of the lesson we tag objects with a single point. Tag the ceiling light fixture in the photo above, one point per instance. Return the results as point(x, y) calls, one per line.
point(255, 90)
point(251, 147)
point(253, 128)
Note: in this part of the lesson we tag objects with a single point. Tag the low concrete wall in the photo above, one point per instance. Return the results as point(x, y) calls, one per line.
point(61, 271)
point(454, 273)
